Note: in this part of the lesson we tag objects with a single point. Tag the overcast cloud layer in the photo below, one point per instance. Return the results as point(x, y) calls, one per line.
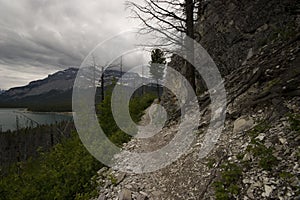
point(38, 37)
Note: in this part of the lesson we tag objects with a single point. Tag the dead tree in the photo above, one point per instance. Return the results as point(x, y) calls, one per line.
point(171, 21)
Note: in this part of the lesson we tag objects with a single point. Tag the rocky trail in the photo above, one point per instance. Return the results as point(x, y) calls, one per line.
point(191, 178)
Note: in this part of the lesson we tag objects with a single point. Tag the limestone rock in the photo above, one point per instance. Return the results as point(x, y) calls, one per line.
point(261, 136)
point(120, 177)
point(242, 124)
point(268, 191)
point(141, 197)
point(250, 54)
point(125, 195)
point(102, 197)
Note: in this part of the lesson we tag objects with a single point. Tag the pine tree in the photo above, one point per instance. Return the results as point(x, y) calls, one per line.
point(157, 66)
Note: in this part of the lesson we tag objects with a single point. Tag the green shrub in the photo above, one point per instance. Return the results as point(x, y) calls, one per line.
point(259, 128)
point(265, 155)
point(68, 170)
point(227, 186)
point(137, 105)
point(63, 173)
point(294, 120)
point(240, 156)
point(210, 162)
point(285, 175)
point(113, 179)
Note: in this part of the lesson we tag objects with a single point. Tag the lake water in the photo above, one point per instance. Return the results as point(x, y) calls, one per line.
point(13, 118)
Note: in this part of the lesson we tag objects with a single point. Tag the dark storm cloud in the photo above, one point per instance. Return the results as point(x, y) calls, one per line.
point(42, 36)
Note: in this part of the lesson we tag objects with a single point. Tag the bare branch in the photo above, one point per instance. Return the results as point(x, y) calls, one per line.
point(160, 19)
point(168, 13)
point(151, 28)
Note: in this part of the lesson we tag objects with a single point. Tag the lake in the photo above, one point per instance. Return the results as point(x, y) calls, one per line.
point(14, 118)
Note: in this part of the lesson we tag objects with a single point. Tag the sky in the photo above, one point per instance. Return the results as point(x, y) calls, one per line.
point(40, 37)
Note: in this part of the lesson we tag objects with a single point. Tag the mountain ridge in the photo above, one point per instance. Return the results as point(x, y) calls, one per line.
point(54, 93)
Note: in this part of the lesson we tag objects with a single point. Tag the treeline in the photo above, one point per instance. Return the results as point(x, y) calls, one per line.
point(68, 170)
point(53, 101)
point(21, 144)
point(63, 173)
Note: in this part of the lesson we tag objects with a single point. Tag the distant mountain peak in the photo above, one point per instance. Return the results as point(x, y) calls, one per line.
point(57, 88)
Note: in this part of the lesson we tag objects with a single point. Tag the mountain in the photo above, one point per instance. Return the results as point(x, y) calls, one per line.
point(51, 93)
point(59, 81)
point(54, 93)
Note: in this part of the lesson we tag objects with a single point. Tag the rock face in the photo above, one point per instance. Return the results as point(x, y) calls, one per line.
point(233, 31)
point(256, 46)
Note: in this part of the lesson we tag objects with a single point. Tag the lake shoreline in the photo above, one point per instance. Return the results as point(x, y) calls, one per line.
point(16, 118)
point(26, 110)
point(49, 112)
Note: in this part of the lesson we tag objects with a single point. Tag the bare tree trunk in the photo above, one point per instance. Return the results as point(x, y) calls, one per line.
point(190, 71)
point(102, 85)
point(157, 87)
point(170, 20)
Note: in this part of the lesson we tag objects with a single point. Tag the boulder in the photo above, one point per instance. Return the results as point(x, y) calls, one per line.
point(125, 195)
point(242, 124)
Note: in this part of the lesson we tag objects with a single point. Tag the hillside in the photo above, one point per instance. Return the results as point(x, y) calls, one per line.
point(52, 93)
point(256, 46)
point(60, 81)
